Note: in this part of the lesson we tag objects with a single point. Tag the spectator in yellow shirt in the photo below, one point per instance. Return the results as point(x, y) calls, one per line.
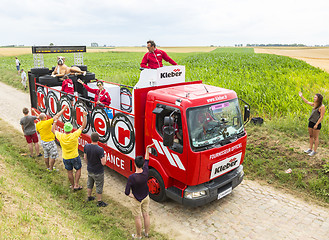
point(69, 143)
point(48, 138)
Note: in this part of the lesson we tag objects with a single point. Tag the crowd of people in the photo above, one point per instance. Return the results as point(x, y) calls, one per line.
point(136, 187)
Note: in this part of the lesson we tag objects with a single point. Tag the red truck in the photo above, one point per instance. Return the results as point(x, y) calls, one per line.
point(198, 130)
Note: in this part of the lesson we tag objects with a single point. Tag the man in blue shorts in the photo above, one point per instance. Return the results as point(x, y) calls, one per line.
point(94, 155)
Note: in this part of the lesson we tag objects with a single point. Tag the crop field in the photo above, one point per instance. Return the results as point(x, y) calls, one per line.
point(315, 56)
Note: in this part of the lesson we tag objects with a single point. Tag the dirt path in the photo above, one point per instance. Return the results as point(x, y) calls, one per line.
point(252, 211)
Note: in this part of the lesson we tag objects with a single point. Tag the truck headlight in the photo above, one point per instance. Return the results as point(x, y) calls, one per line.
point(191, 195)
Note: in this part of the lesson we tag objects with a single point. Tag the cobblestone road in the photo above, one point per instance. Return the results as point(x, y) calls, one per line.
point(251, 211)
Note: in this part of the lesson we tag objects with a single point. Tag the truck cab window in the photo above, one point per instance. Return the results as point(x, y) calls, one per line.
point(219, 123)
point(177, 124)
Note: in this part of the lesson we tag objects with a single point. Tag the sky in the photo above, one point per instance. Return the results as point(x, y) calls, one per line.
point(168, 23)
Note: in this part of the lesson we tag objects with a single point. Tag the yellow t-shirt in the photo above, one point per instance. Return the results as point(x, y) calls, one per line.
point(44, 129)
point(69, 143)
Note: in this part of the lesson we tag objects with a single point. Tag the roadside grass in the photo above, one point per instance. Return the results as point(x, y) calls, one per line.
point(35, 204)
point(270, 153)
point(10, 77)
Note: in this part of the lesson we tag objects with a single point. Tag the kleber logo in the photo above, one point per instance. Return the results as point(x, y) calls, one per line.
point(230, 164)
point(225, 165)
point(175, 73)
point(123, 134)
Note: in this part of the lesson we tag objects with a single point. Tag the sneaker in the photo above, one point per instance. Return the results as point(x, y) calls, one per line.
point(134, 236)
point(308, 151)
point(101, 204)
point(145, 234)
point(91, 198)
point(54, 170)
point(312, 153)
point(39, 155)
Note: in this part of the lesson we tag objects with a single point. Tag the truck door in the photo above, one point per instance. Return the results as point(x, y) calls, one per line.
point(174, 158)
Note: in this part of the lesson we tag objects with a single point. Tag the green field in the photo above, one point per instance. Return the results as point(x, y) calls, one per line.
point(269, 83)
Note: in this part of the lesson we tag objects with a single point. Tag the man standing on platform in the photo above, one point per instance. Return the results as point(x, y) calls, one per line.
point(153, 59)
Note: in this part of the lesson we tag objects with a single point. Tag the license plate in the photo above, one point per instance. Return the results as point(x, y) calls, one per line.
point(224, 193)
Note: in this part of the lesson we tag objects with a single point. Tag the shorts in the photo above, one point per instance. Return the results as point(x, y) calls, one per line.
point(312, 124)
point(141, 207)
point(49, 149)
point(98, 179)
point(32, 138)
point(72, 163)
point(17, 67)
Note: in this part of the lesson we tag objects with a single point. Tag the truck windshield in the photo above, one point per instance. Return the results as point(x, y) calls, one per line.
point(219, 123)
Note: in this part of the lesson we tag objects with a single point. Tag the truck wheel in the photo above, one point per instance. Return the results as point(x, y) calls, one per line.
point(156, 186)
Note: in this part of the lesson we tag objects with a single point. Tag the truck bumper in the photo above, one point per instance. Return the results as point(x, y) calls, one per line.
point(213, 189)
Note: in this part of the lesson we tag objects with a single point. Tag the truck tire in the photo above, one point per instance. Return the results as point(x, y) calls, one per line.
point(89, 76)
point(49, 81)
point(156, 186)
point(40, 71)
point(82, 67)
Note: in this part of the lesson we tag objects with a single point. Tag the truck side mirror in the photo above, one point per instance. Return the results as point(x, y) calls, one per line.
point(168, 136)
point(168, 131)
point(168, 121)
point(246, 114)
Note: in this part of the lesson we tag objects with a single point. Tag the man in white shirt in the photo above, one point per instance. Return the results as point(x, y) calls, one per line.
point(23, 76)
point(18, 64)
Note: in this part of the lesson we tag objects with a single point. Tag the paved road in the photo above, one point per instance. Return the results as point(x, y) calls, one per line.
point(252, 211)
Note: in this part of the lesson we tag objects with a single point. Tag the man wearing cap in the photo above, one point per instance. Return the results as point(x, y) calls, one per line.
point(69, 143)
point(48, 138)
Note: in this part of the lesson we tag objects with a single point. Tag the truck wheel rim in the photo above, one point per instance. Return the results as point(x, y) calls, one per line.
point(154, 186)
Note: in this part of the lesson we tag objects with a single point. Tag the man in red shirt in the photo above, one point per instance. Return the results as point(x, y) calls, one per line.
point(153, 59)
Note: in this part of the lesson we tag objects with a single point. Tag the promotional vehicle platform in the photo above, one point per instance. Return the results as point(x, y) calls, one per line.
point(197, 129)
